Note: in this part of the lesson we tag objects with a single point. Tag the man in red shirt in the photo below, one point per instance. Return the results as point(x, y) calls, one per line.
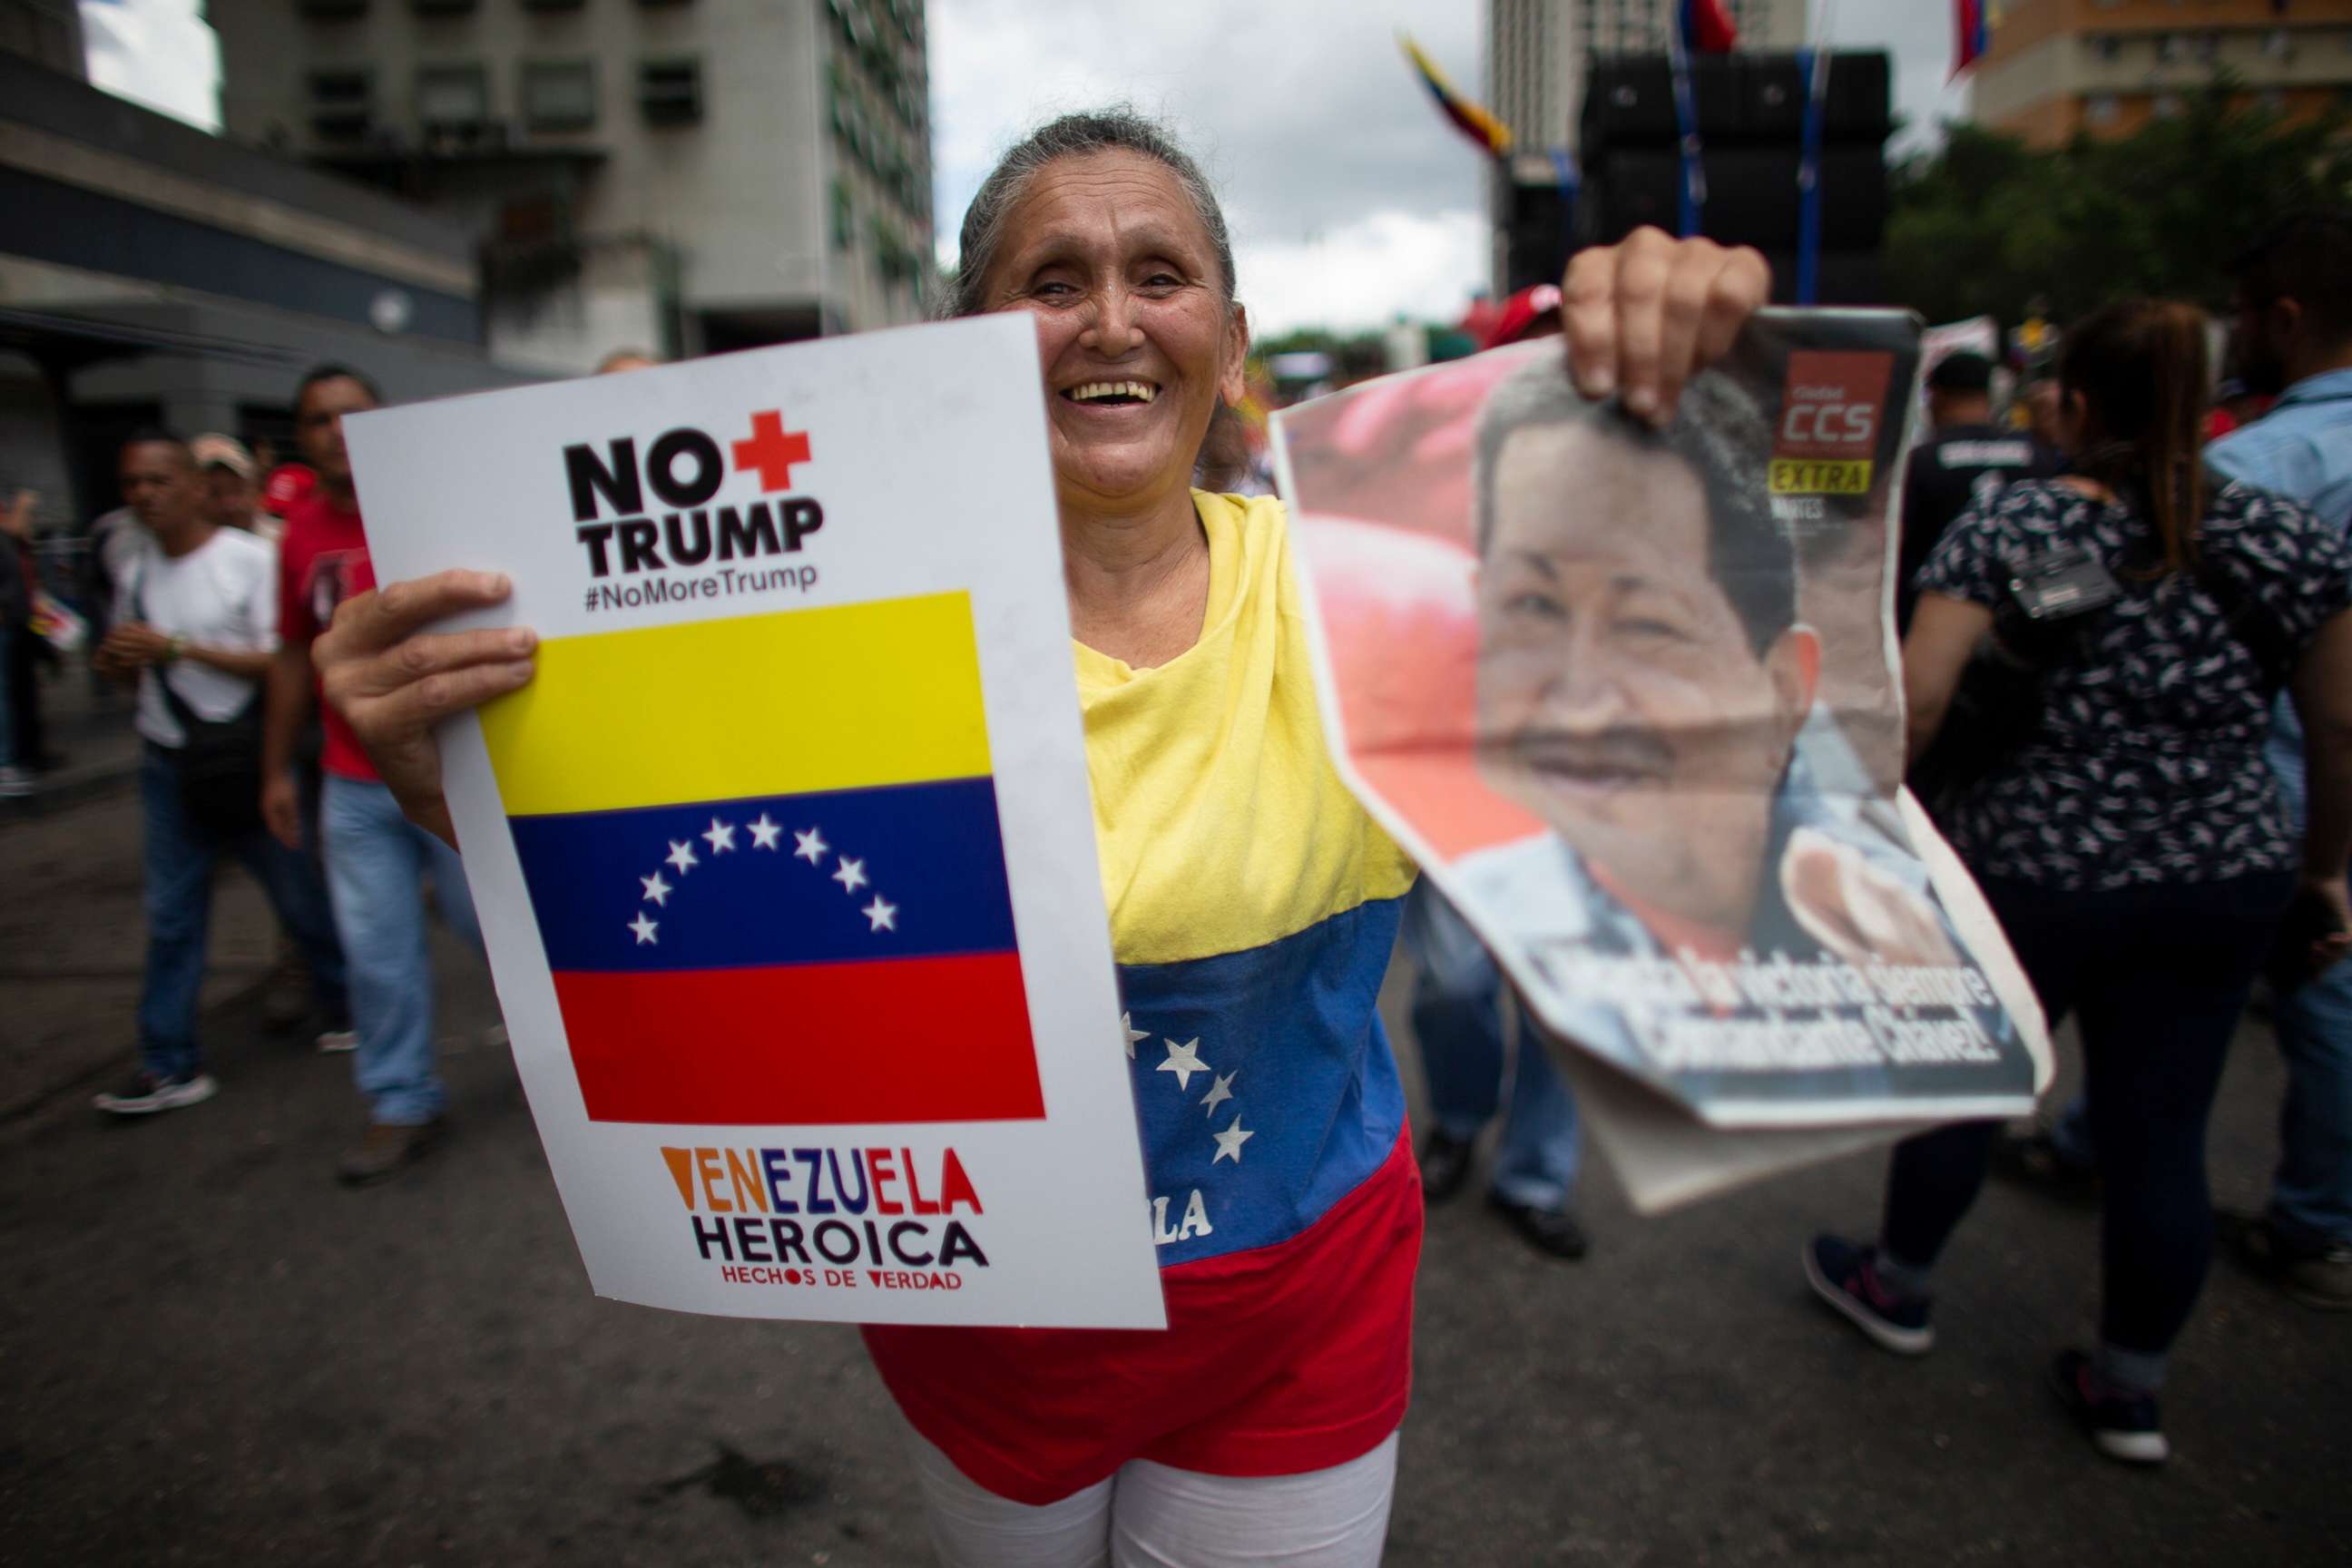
point(376, 860)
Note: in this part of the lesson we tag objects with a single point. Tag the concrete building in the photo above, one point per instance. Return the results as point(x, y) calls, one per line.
point(1537, 52)
point(686, 176)
point(46, 32)
point(152, 273)
point(2107, 67)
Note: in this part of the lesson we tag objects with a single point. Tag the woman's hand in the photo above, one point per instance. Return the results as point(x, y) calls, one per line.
point(393, 683)
point(1645, 314)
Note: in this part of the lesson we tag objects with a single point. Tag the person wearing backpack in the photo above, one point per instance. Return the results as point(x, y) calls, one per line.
point(2134, 843)
point(197, 627)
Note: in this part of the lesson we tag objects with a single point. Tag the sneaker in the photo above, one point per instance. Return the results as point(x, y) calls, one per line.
point(1444, 1166)
point(2318, 1276)
point(15, 783)
point(1846, 1277)
point(385, 1149)
point(338, 1042)
point(1551, 1228)
point(2121, 1423)
point(147, 1094)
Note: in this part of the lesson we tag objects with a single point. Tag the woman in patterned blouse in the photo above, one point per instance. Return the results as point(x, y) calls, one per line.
point(2135, 848)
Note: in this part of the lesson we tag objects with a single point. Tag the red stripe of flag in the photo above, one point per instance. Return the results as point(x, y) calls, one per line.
point(915, 1039)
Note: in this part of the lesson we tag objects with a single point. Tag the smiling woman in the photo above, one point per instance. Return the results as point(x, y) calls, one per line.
point(1253, 902)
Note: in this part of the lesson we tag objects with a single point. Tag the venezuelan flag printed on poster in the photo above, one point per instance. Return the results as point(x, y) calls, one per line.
point(764, 858)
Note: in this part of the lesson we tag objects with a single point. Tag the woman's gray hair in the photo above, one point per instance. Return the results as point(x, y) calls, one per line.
point(1117, 129)
point(1224, 453)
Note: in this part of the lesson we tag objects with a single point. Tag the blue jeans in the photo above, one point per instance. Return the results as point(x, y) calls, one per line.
point(181, 855)
point(376, 862)
point(1457, 1017)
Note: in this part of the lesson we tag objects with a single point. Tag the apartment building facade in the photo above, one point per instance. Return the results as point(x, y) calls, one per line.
point(2106, 68)
point(682, 176)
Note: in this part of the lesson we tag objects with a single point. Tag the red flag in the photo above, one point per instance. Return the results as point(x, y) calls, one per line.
point(1708, 27)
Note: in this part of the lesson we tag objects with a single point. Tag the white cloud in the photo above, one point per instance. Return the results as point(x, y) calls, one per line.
point(1363, 274)
point(158, 53)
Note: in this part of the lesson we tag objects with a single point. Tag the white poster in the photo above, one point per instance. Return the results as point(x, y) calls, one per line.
point(784, 859)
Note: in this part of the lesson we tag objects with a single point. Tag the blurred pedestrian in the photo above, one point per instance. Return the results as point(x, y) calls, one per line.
point(1254, 901)
point(23, 651)
point(1968, 459)
point(1457, 1021)
point(2134, 848)
point(233, 495)
point(376, 860)
point(196, 633)
point(234, 501)
point(2294, 340)
point(16, 623)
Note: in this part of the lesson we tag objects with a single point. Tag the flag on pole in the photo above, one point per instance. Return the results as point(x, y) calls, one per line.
point(1975, 23)
point(1708, 27)
point(764, 860)
point(1491, 134)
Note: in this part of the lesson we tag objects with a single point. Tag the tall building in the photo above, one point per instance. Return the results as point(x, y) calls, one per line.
point(152, 274)
point(686, 176)
point(1537, 52)
point(48, 32)
point(2108, 67)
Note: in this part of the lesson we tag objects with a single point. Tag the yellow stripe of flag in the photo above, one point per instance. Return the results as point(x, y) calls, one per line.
point(850, 697)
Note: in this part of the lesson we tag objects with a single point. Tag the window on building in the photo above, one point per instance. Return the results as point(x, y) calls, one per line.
point(441, 7)
point(452, 95)
point(2278, 44)
point(552, 4)
point(2102, 108)
point(669, 91)
point(333, 10)
point(559, 95)
point(2171, 48)
point(2167, 106)
point(342, 104)
point(2108, 47)
point(845, 217)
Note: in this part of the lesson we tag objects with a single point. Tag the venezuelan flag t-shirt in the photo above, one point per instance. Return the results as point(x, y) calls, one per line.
point(1253, 907)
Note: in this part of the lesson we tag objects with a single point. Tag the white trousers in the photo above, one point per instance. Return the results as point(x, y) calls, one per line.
point(1153, 1516)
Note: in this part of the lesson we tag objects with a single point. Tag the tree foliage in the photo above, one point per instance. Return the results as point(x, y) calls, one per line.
point(1985, 223)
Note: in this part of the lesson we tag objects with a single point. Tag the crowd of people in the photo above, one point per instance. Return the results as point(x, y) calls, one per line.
point(2173, 825)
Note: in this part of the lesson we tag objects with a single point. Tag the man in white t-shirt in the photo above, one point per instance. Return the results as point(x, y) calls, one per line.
point(196, 627)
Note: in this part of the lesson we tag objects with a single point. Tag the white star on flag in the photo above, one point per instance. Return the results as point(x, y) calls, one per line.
point(644, 929)
point(1185, 1060)
point(682, 855)
point(884, 914)
point(1126, 1022)
point(1221, 1089)
point(852, 875)
point(656, 888)
point(722, 835)
point(812, 846)
point(1229, 1141)
point(765, 833)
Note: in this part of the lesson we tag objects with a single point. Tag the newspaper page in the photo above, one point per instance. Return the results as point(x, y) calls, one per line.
point(1632, 699)
point(785, 859)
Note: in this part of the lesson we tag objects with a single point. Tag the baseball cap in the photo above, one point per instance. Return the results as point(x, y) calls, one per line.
point(213, 450)
point(288, 483)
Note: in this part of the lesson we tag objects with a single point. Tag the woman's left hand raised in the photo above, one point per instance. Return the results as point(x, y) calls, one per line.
point(1645, 314)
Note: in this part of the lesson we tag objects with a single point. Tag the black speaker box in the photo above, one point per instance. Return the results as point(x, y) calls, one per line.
point(1740, 98)
point(1751, 195)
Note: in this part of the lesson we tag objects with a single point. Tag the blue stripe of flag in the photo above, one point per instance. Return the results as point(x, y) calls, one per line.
point(931, 852)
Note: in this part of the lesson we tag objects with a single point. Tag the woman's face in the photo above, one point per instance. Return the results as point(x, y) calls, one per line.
point(1106, 252)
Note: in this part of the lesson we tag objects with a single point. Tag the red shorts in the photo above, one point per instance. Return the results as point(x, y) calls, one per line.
point(1275, 1361)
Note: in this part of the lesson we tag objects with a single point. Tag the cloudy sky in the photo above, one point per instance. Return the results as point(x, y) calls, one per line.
point(1350, 199)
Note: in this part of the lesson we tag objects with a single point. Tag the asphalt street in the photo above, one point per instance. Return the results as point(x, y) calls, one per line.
point(210, 1353)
